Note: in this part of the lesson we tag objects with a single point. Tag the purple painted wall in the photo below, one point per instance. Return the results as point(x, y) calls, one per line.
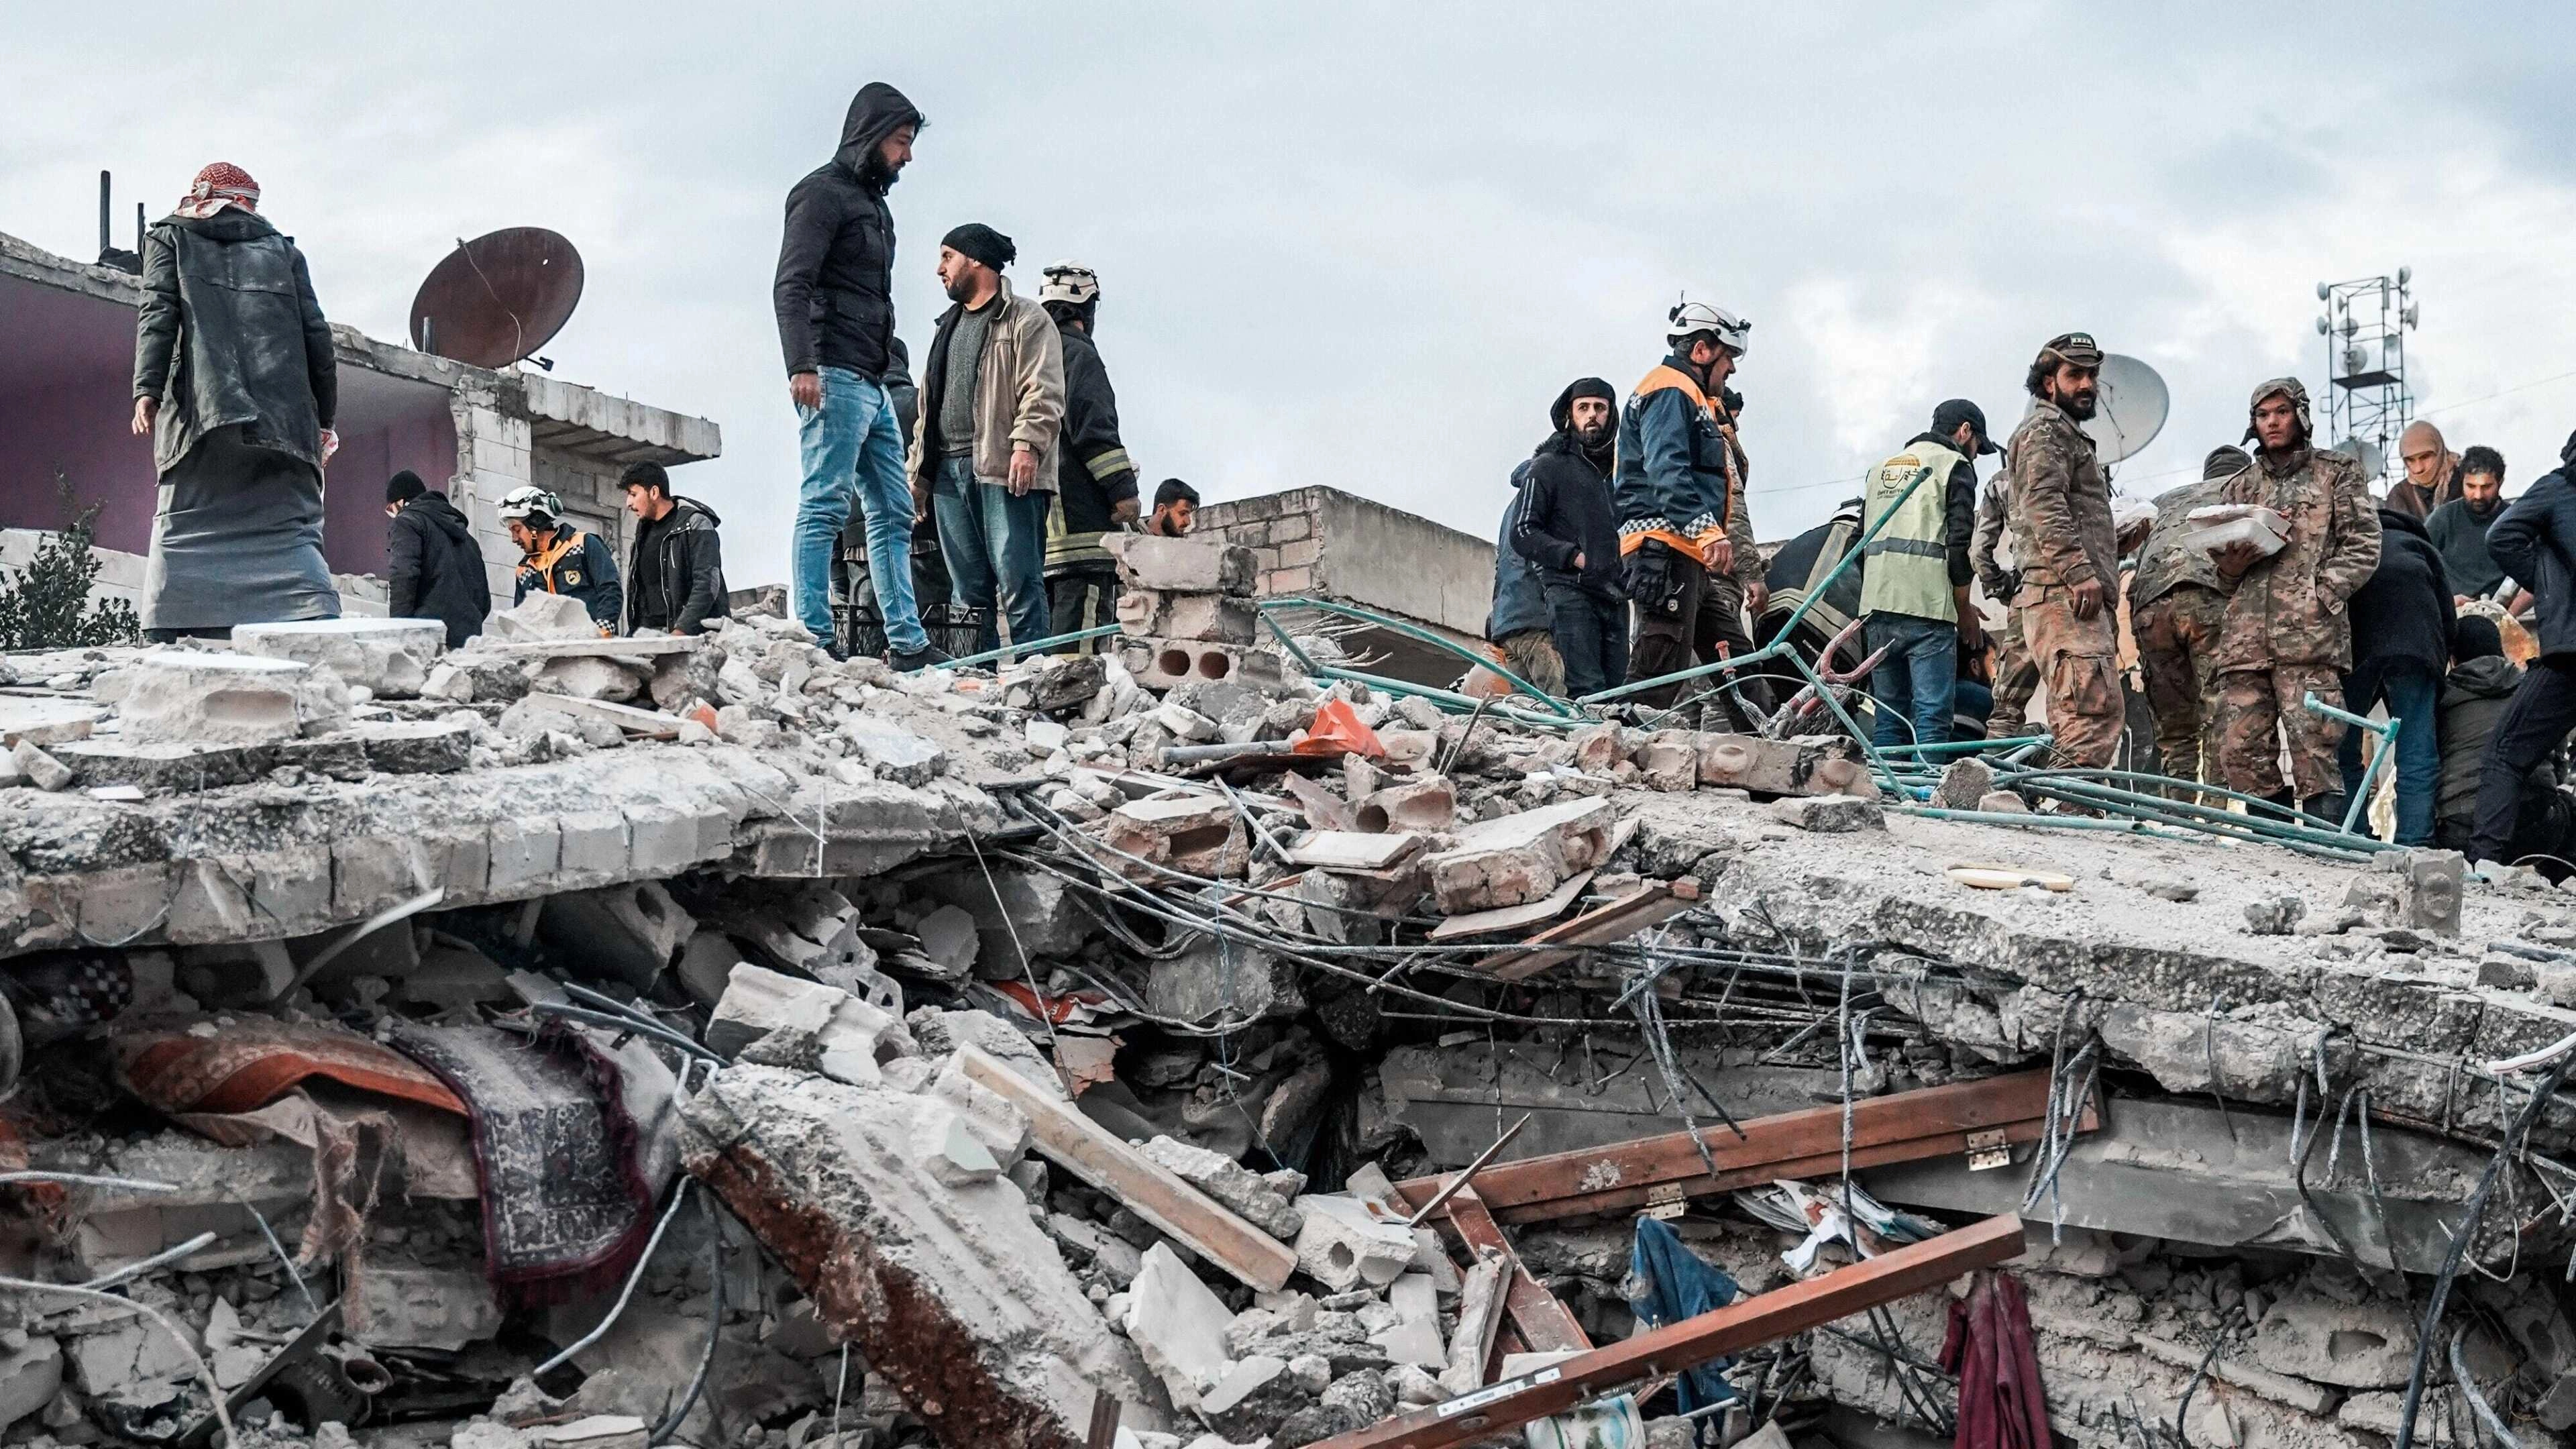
point(66, 382)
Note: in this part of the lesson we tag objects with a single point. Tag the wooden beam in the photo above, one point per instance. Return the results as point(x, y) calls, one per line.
point(1657, 903)
point(1546, 1325)
point(1498, 1411)
point(1899, 1127)
point(1157, 1194)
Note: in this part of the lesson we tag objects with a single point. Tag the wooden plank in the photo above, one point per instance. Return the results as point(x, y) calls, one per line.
point(653, 724)
point(1353, 849)
point(1546, 1325)
point(1900, 1127)
point(1658, 902)
point(1764, 1318)
point(1513, 918)
point(1156, 1194)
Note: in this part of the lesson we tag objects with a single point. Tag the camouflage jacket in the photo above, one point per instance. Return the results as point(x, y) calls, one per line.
point(2290, 608)
point(1994, 505)
point(2060, 504)
point(2163, 563)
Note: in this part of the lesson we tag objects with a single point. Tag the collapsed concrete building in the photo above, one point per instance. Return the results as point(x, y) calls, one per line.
point(579, 1041)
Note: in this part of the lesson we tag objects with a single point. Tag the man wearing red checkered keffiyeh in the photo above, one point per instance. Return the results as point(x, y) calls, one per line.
point(219, 185)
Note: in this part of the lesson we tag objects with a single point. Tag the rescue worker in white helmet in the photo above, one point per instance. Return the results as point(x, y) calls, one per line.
point(1675, 488)
point(1095, 491)
point(561, 559)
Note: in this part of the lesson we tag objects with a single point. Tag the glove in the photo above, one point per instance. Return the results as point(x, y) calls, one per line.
point(1652, 580)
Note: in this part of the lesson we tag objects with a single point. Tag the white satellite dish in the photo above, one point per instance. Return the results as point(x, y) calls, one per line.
point(2366, 453)
point(2131, 407)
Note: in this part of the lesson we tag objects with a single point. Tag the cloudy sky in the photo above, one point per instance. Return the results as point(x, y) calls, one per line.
point(1363, 246)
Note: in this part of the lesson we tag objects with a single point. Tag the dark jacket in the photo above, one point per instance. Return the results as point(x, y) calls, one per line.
point(1566, 509)
point(2474, 699)
point(2460, 533)
point(230, 333)
point(435, 568)
point(1520, 601)
point(1093, 474)
point(1671, 481)
point(835, 287)
point(2403, 613)
point(2535, 541)
point(586, 571)
point(675, 576)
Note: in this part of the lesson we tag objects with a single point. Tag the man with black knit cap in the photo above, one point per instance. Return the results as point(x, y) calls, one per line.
point(984, 453)
point(835, 301)
point(1568, 528)
point(2535, 542)
point(433, 566)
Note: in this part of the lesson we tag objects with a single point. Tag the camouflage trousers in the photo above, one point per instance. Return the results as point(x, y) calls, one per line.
point(2016, 680)
point(2176, 635)
point(2079, 666)
point(2259, 708)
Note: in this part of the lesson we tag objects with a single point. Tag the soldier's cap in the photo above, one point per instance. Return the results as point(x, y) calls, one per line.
point(2224, 462)
point(2076, 349)
point(1947, 417)
point(2289, 387)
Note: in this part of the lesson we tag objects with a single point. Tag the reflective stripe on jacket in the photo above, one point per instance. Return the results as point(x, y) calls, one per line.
point(1906, 568)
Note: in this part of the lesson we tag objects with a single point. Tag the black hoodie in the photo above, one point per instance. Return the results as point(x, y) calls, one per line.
point(835, 287)
point(2403, 612)
point(1566, 509)
point(435, 568)
point(675, 577)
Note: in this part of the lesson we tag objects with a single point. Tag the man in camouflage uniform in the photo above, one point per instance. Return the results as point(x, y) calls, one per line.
point(2286, 634)
point(2016, 678)
point(1731, 594)
point(2177, 600)
point(2060, 514)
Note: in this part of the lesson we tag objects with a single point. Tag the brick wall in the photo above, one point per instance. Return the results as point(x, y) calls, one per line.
point(1283, 530)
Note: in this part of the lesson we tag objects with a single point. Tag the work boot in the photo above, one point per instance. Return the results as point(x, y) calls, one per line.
point(921, 658)
point(2328, 807)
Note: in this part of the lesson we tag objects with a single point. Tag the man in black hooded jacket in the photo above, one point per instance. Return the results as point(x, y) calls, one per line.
point(1567, 525)
point(675, 576)
point(835, 303)
point(433, 566)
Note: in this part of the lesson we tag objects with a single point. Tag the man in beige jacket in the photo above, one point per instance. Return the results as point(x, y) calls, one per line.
point(984, 451)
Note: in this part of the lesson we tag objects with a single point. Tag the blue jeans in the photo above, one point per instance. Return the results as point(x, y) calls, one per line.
point(853, 447)
point(2410, 692)
point(1917, 683)
point(991, 541)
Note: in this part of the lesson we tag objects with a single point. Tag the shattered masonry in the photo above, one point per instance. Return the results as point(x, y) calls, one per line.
point(978, 1060)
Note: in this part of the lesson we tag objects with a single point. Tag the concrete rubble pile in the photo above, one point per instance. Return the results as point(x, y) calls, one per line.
point(602, 1042)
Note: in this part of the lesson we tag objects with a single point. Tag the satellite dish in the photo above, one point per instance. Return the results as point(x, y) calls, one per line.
point(2364, 452)
point(2131, 407)
point(497, 298)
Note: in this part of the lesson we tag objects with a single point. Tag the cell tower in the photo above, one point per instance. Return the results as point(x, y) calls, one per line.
point(2367, 402)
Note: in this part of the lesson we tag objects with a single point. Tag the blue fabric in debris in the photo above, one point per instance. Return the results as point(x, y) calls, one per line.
point(1668, 1283)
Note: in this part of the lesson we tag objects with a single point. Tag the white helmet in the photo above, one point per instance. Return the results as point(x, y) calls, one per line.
point(520, 502)
point(1690, 319)
point(1068, 282)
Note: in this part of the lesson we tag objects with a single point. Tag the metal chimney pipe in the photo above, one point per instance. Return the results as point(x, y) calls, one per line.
point(104, 238)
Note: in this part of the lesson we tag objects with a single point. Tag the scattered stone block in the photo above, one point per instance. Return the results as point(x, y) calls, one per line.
point(1207, 565)
point(583, 676)
point(1807, 765)
point(2003, 802)
point(1249, 1398)
point(949, 938)
point(395, 1305)
point(1201, 984)
point(1428, 803)
point(31, 1376)
point(1829, 814)
point(632, 931)
point(1202, 835)
point(392, 657)
point(1231, 1183)
point(185, 697)
point(1343, 1245)
point(40, 769)
point(1178, 1325)
point(542, 616)
point(1520, 858)
point(893, 752)
point(1669, 761)
point(51, 721)
point(1966, 781)
point(2366, 1345)
point(2274, 915)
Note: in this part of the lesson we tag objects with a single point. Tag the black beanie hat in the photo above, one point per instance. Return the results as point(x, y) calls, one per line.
point(404, 486)
point(2474, 636)
point(982, 243)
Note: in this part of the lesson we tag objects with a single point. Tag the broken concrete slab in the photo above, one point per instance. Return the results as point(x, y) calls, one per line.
point(391, 657)
point(173, 696)
point(541, 617)
point(1207, 565)
point(1343, 1245)
point(40, 769)
point(952, 1292)
point(1807, 765)
point(1829, 814)
point(1159, 663)
point(1197, 834)
point(779, 1020)
point(46, 721)
point(1231, 1183)
point(633, 931)
point(1178, 1325)
point(2350, 1345)
point(1520, 858)
point(398, 1305)
point(1207, 618)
